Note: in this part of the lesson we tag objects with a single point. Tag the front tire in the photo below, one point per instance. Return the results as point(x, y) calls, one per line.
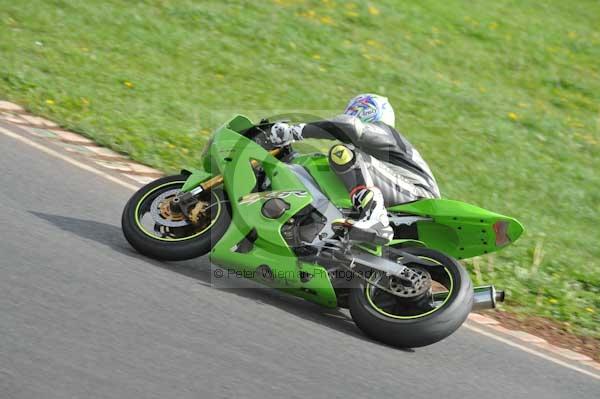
point(173, 246)
point(416, 330)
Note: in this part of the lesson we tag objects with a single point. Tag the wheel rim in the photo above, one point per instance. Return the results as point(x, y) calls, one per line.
point(391, 306)
point(148, 225)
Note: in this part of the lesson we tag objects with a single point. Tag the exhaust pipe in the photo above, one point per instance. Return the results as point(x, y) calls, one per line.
point(486, 296)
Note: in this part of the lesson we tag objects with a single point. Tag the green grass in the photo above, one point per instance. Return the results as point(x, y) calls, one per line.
point(502, 99)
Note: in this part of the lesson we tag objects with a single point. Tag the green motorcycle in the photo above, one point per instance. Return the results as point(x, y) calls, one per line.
point(266, 215)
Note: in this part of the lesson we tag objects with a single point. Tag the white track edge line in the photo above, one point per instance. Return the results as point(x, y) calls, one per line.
point(531, 351)
point(65, 158)
point(95, 171)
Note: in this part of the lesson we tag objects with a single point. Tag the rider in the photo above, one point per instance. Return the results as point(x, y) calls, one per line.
point(378, 166)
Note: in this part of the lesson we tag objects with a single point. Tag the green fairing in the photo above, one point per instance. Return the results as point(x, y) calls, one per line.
point(456, 228)
point(232, 154)
point(195, 177)
point(238, 123)
point(318, 166)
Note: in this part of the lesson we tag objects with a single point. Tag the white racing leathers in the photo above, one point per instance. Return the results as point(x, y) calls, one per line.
point(382, 158)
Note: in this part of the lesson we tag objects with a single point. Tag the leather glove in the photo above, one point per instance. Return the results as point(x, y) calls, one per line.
point(283, 134)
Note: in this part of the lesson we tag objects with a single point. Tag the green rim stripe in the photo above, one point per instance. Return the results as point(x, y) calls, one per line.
point(416, 316)
point(137, 217)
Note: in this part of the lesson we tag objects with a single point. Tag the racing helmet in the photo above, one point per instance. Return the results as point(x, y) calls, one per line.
point(371, 108)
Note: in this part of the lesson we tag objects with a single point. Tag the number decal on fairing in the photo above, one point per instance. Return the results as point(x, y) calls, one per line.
point(254, 197)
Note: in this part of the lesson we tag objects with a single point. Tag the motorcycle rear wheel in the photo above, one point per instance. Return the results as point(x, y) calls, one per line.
point(397, 325)
point(183, 242)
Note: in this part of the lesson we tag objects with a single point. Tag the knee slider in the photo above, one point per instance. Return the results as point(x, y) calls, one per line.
point(341, 157)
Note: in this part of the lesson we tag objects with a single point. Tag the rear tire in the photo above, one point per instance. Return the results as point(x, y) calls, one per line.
point(420, 330)
point(173, 250)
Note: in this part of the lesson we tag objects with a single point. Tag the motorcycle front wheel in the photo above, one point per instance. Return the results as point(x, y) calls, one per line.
point(153, 229)
point(410, 323)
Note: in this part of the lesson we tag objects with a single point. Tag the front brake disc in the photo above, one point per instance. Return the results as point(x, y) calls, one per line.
point(158, 209)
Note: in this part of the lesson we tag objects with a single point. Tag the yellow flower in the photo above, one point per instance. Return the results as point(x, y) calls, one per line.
point(591, 310)
point(513, 116)
point(128, 84)
point(310, 14)
point(85, 101)
point(493, 26)
point(575, 123)
point(374, 10)
point(50, 102)
point(352, 14)
point(326, 20)
point(316, 57)
point(373, 43)
point(588, 138)
point(553, 301)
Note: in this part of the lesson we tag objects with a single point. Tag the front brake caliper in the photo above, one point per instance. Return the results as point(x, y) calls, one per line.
point(197, 211)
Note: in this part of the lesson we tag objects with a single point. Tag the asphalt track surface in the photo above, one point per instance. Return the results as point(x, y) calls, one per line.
point(84, 316)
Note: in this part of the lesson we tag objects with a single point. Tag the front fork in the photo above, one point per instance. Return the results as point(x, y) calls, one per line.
point(198, 181)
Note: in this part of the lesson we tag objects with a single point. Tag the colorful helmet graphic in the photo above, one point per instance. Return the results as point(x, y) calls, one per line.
point(371, 108)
